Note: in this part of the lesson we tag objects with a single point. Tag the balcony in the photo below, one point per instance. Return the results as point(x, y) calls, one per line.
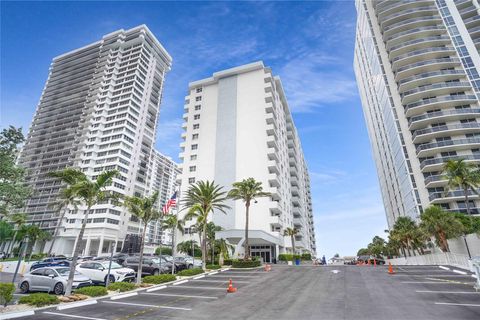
point(435, 181)
point(439, 197)
point(456, 114)
point(414, 34)
point(427, 134)
point(441, 88)
point(430, 149)
point(272, 167)
point(425, 66)
point(275, 208)
point(422, 106)
point(424, 42)
point(421, 54)
point(273, 180)
point(410, 24)
point(472, 22)
point(399, 16)
point(387, 7)
point(468, 12)
point(437, 163)
point(473, 31)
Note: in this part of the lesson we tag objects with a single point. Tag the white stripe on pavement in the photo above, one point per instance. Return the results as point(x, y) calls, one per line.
point(179, 295)
point(71, 316)
point(156, 288)
point(202, 288)
point(179, 282)
point(124, 296)
point(147, 305)
point(13, 315)
point(460, 272)
point(432, 275)
point(444, 268)
point(214, 272)
point(458, 304)
point(76, 304)
point(222, 276)
point(437, 282)
point(199, 277)
point(448, 292)
point(220, 281)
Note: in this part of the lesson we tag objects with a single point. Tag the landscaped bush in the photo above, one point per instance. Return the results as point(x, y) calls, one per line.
point(213, 266)
point(6, 292)
point(306, 256)
point(227, 262)
point(121, 286)
point(190, 272)
point(93, 291)
point(246, 263)
point(39, 299)
point(165, 250)
point(161, 278)
point(38, 256)
point(285, 257)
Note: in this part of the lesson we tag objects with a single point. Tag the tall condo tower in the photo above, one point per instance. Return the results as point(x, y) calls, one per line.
point(237, 124)
point(98, 111)
point(417, 65)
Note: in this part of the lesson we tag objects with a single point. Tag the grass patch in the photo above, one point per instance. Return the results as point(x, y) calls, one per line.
point(39, 299)
point(161, 278)
point(213, 266)
point(92, 291)
point(190, 272)
point(121, 286)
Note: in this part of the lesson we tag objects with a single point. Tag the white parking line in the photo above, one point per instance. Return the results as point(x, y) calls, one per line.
point(458, 304)
point(241, 272)
point(199, 277)
point(460, 272)
point(432, 275)
point(147, 305)
point(448, 292)
point(180, 282)
point(214, 272)
point(156, 289)
point(202, 288)
point(124, 296)
point(76, 304)
point(436, 282)
point(71, 316)
point(444, 268)
point(179, 295)
point(222, 276)
point(219, 281)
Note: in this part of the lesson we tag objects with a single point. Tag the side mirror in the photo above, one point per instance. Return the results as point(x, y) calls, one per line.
point(52, 276)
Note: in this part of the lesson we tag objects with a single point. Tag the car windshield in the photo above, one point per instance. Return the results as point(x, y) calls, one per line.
point(114, 265)
point(65, 271)
point(168, 258)
point(156, 260)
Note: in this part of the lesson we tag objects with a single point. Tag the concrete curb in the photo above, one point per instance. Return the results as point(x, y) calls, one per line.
point(76, 304)
point(13, 315)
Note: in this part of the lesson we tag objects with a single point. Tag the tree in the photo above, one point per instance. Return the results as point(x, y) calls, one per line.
point(13, 189)
point(441, 225)
point(65, 198)
point(18, 220)
point(186, 247)
point(363, 252)
point(172, 222)
point(377, 246)
point(463, 175)
point(89, 193)
point(201, 199)
point(404, 230)
point(212, 229)
point(33, 233)
point(247, 190)
point(144, 210)
point(225, 249)
point(291, 232)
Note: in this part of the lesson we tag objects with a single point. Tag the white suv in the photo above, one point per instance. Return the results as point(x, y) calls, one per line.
point(97, 271)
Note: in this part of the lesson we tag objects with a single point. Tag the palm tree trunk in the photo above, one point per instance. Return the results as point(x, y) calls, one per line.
point(204, 246)
point(140, 262)
point(173, 248)
point(76, 252)
point(10, 247)
point(293, 244)
point(247, 248)
point(55, 234)
point(465, 192)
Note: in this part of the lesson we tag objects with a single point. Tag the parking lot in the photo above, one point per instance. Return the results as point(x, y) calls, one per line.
point(303, 292)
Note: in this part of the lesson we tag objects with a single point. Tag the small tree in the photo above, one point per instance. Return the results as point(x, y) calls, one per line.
point(18, 220)
point(212, 229)
point(291, 232)
point(441, 225)
point(463, 175)
point(172, 222)
point(143, 209)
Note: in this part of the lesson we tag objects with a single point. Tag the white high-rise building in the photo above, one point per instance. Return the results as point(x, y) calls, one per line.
point(163, 172)
point(417, 65)
point(98, 111)
point(238, 125)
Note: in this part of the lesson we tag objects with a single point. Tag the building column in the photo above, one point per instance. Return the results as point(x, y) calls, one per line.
point(87, 247)
point(100, 246)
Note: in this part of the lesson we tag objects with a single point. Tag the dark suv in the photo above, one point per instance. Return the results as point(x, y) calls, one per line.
point(150, 265)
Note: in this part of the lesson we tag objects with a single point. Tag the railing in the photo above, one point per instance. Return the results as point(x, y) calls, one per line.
point(431, 74)
point(443, 258)
point(437, 86)
point(475, 18)
point(406, 22)
point(447, 143)
point(428, 162)
point(440, 99)
point(416, 41)
point(446, 128)
point(443, 113)
point(399, 34)
point(451, 194)
point(404, 12)
point(417, 52)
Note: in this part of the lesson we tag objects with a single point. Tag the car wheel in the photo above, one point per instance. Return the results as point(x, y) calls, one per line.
point(58, 289)
point(24, 287)
point(111, 279)
point(155, 272)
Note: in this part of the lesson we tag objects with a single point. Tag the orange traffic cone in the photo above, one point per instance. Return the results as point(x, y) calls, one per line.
point(390, 268)
point(231, 289)
point(374, 262)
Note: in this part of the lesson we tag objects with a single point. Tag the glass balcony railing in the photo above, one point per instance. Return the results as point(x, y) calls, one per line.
point(439, 99)
point(388, 5)
point(447, 143)
point(412, 31)
point(416, 41)
point(413, 20)
point(474, 29)
point(472, 19)
point(428, 62)
point(432, 74)
point(404, 12)
point(442, 85)
point(473, 125)
point(422, 51)
point(429, 162)
point(443, 114)
point(434, 179)
point(451, 194)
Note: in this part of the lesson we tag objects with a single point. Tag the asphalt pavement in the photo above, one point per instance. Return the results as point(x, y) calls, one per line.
point(298, 292)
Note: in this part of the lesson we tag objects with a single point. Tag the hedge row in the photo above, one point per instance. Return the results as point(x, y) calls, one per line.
point(190, 272)
point(121, 286)
point(161, 278)
point(246, 263)
point(291, 257)
point(6, 292)
point(213, 266)
point(39, 299)
point(93, 291)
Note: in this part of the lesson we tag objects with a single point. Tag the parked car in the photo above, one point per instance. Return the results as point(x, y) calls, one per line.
point(179, 265)
point(120, 257)
point(150, 265)
point(189, 261)
point(97, 271)
point(50, 262)
point(84, 258)
point(52, 279)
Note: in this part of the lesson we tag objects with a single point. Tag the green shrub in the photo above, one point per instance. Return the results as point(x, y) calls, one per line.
point(93, 291)
point(161, 278)
point(213, 266)
point(246, 263)
point(297, 256)
point(38, 256)
point(39, 299)
point(165, 250)
point(285, 257)
point(190, 272)
point(121, 286)
point(6, 292)
point(306, 256)
point(227, 262)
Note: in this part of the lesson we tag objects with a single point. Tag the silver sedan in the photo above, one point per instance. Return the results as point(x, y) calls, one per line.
point(52, 279)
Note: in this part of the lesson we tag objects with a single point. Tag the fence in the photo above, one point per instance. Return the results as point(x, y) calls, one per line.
point(443, 258)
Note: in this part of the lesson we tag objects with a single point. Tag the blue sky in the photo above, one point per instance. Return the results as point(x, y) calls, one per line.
point(308, 44)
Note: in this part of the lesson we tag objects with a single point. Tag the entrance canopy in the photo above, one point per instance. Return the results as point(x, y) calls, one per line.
point(255, 237)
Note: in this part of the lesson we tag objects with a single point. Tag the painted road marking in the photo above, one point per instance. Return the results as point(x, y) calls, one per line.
point(335, 271)
point(219, 281)
point(448, 292)
point(460, 272)
point(76, 304)
point(124, 296)
point(458, 304)
point(214, 272)
point(202, 288)
point(199, 277)
point(444, 268)
point(222, 276)
point(179, 295)
point(242, 272)
point(147, 305)
point(432, 275)
point(451, 281)
point(180, 282)
point(71, 316)
point(19, 314)
point(156, 289)
point(436, 282)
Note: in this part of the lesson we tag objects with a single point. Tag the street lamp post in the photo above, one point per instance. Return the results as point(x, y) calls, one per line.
point(466, 245)
point(110, 265)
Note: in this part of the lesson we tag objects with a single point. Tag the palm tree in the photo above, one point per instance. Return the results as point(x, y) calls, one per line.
point(441, 225)
point(143, 209)
point(291, 232)
point(186, 247)
point(6, 233)
point(90, 193)
point(403, 230)
point(202, 198)
point(18, 220)
point(464, 175)
point(212, 229)
point(225, 249)
point(65, 199)
point(33, 233)
point(172, 222)
point(247, 190)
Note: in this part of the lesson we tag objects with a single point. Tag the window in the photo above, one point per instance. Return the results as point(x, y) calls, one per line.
point(195, 136)
point(196, 126)
point(198, 90)
point(198, 98)
point(192, 168)
point(193, 157)
point(198, 107)
point(194, 146)
point(191, 180)
point(196, 117)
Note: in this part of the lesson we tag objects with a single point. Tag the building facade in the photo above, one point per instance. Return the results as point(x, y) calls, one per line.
point(417, 66)
point(237, 124)
point(163, 172)
point(98, 111)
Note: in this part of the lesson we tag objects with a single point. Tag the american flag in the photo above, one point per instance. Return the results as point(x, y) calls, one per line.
point(172, 202)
